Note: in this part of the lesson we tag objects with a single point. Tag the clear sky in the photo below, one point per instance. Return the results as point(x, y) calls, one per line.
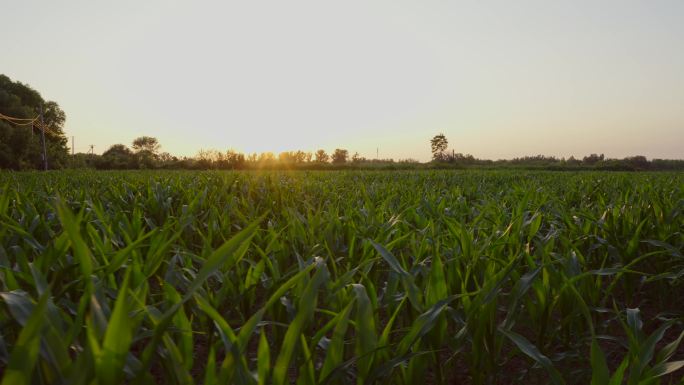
point(499, 78)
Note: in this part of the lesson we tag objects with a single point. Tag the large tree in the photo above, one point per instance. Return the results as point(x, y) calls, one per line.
point(146, 149)
point(146, 144)
point(439, 144)
point(340, 156)
point(322, 156)
point(20, 143)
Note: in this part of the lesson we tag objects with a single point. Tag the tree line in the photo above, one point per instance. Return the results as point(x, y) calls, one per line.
point(145, 153)
point(443, 158)
point(21, 149)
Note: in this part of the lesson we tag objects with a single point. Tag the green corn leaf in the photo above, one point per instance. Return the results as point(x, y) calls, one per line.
point(668, 351)
point(664, 368)
point(71, 226)
point(619, 374)
point(235, 364)
point(307, 374)
point(263, 359)
point(224, 257)
point(366, 337)
point(407, 280)
point(210, 369)
point(437, 287)
point(384, 337)
point(335, 353)
point(599, 368)
point(422, 325)
point(248, 328)
point(117, 339)
point(531, 351)
point(25, 351)
point(305, 310)
point(648, 347)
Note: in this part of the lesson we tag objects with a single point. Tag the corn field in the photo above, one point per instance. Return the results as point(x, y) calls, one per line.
point(434, 277)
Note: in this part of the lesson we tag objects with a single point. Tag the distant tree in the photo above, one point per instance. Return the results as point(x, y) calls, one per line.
point(147, 144)
point(356, 158)
point(459, 158)
point(667, 164)
point(165, 157)
point(204, 159)
point(117, 157)
point(285, 157)
point(83, 160)
point(571, 161)
point(117, 149)
point(146, 149)
point(340, 156)
point(299, 156)
point(439, 144)
point(307, 157)
point(593, 159)
point(235, 159)
point(638, 162)
point(266, 158)
point(322, 156)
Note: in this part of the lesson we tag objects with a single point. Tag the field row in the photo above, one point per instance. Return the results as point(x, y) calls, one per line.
point(441, 277)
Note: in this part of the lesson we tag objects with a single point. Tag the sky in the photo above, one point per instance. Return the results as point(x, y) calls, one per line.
point(500, 79)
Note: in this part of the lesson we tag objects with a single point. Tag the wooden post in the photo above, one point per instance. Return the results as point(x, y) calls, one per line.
point(42, 134)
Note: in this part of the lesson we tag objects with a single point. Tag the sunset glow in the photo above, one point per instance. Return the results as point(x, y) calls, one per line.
point(504, 80)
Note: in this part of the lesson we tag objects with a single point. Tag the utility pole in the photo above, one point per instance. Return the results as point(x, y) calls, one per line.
point(72, 146)
point(42, 134)
point(377, 152)
point(92, 149)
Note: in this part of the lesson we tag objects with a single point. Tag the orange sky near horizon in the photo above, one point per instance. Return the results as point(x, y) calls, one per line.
point(500, 79)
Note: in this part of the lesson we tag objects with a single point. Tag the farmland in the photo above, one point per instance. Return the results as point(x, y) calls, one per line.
point(436, 277)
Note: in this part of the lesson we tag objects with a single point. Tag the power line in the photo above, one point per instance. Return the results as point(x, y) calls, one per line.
point(33, 122)
point(18, 121)
point(29, 122)
point(13, 118)
point(38, 125)
point(47, 129)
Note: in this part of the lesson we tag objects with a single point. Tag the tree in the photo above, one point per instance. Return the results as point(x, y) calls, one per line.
point(146, 144)
point(285, 157)
point(20, 145)
point(266, 158)
point(638, 162)
point(146, 149)
point(235, 159)
point(117, 149)
point(340, 156)
point(439, 145)
point(292, 157)
point(205, 159)
point(117, 157)
point(300, 156)
point(322, 156)
point(593, 159)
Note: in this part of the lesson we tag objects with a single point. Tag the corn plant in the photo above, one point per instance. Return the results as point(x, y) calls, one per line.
point(441, 277)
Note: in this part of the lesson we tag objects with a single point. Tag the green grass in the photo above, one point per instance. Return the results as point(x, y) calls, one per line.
point(480, 277)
